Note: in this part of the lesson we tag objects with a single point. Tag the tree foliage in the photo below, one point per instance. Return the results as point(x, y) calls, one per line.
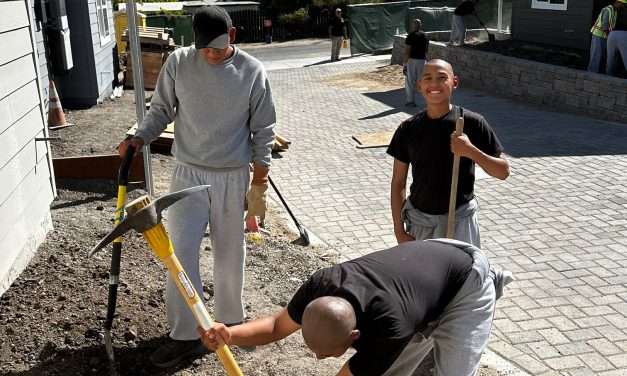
point(299, 17)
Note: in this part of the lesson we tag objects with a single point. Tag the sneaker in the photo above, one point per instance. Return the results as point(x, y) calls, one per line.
point(410, 104)
point(173, 352)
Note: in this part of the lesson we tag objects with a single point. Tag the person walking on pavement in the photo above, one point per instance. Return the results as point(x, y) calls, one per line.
point(414, 55)
point(617, 43)
point(220, 100)
point(337, 34)
point(393, 307)
point(604, 24)
point(428, 143)
point(458, 27)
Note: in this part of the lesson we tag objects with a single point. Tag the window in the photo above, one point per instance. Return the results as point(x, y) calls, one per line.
point(103, 21)
point(550, 4)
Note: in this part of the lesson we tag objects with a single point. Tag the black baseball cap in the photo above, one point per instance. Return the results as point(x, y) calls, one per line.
point(211, 27)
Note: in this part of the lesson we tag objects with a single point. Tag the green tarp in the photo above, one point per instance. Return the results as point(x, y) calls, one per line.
point(372, 26)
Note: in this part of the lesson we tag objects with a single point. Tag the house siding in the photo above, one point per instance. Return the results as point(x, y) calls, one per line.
point(568, 29)
point(27, 188)
point(91, 78)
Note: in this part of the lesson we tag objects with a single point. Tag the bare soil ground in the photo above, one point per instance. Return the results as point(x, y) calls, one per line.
point(51, 318)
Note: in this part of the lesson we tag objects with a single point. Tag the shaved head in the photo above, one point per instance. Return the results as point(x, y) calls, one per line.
point(328, 325)
point(439, 63)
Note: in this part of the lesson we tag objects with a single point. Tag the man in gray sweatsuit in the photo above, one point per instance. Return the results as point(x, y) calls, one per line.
point(220, 101)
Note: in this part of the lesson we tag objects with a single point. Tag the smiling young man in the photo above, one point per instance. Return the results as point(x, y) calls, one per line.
point(427, 143)
point(390, 310)
point(220, 102)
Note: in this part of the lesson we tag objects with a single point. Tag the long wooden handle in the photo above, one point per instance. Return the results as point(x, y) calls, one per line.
point(450, 229)
point(200, 312)
point(160, 244)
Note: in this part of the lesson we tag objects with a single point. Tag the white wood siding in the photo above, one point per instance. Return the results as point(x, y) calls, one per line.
point(27, 183)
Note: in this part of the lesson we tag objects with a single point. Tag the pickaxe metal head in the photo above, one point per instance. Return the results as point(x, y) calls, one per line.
point(147, 217)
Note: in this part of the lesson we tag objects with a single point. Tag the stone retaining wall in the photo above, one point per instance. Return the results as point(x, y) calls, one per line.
point(563, 89)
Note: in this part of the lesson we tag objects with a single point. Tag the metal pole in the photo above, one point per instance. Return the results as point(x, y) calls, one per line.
point(138, 84)
point(499, 22)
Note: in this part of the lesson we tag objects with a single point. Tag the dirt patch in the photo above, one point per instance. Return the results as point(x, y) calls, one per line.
point(51, 317)
point(382, 78)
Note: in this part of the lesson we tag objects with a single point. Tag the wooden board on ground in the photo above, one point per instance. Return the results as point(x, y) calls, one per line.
point(97, 167)
point(373, 140)
point(163, 143)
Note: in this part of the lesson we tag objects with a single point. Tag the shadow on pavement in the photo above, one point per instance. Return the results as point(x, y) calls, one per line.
point(527, 130)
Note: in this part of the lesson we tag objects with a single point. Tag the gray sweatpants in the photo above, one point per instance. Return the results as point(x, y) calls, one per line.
point(616, 42)
point(459, 336)
point(221, 209)
point(458, 29)
point(597, 53)
point(424, 226)
point(414, 71)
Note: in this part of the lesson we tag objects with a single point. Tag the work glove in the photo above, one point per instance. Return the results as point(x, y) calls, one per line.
point(405, 69)
point(256, 202)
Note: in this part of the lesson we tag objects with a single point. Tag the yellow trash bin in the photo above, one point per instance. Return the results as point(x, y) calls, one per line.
point(120, 23)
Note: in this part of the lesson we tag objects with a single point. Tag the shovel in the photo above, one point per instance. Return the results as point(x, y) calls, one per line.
point(303, 233)
point(114, 271)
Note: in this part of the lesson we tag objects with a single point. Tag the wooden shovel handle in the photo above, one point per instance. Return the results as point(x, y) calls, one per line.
point(450, 229)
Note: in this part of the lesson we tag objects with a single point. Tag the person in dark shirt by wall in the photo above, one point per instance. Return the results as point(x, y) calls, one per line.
point(337, 34)
point(392, 306)
point(458, 30)
point(416, 47)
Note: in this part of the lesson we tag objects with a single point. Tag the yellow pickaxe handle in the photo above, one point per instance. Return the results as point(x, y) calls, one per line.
point(450, 229)
point(160, 243)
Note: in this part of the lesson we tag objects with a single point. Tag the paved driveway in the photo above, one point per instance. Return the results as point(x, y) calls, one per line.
point(559, 222)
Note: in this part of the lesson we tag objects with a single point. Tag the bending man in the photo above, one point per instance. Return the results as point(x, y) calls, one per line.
point(391, 314)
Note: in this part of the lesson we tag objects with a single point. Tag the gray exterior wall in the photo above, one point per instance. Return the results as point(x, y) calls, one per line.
point(26, 176)
point(91, 78)
point(561, 28)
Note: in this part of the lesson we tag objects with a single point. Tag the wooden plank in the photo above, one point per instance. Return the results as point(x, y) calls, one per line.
point(14, 44)
point(373, 140)
point(163, 143)
point(152, 62)
point(97, 167)
point(14, 15)
point(282, 139)
point(16, 74)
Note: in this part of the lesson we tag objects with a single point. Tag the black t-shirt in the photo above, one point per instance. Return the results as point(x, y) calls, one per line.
point(465, 8)
point(395, 294)
point(418, 41)
point(337, 26)
point(426, 145)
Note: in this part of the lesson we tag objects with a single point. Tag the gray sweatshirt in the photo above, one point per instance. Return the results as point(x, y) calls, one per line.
point(223, 114)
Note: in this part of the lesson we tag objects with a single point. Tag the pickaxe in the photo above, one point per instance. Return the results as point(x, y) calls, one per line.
point(145, 216)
